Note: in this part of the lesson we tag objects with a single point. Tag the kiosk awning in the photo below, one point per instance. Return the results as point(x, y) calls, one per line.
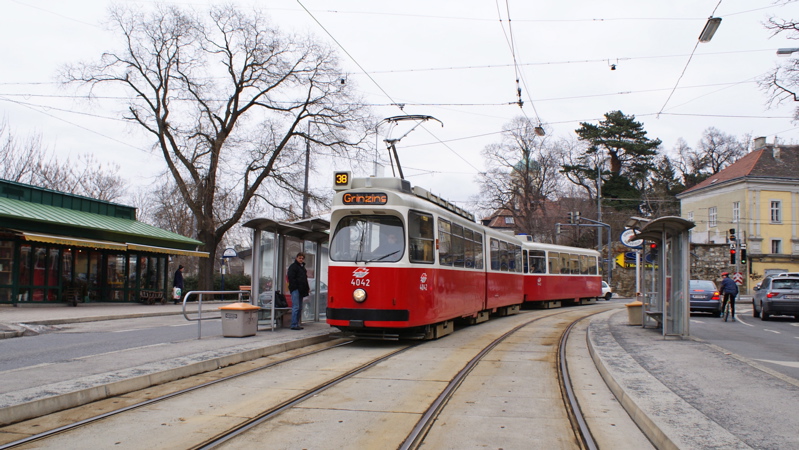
point(171, 251)
point(73, 241)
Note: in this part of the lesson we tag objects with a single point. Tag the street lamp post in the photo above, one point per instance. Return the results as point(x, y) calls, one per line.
point(305, 193)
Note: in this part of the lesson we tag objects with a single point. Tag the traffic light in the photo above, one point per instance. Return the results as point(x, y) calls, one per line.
point(732, 256)
point(743, 256)
point(732, 234)
point(653, 249)
point(577, 217)
point(557, 228)
point(571, 217)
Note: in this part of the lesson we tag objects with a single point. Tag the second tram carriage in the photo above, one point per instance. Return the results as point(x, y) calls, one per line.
point(405, 263)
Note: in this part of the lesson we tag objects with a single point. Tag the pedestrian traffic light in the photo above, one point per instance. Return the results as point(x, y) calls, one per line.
point(732, 234)
point(732, 256)
point(743, 256)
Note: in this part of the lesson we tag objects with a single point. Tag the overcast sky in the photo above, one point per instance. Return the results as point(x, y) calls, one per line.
point(451, 60)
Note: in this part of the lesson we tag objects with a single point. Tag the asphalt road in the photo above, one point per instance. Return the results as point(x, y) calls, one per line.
point(773, 343)
point(79, 340)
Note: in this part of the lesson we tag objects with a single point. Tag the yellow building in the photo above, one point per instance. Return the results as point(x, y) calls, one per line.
point(756, 199)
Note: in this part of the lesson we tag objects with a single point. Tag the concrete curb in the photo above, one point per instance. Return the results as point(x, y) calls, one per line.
point(649, 428)
point(60, 402)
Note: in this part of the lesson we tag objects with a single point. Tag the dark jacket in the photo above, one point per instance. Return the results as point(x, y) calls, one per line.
point(178, 281)
point(728, 286)
point(298, 278)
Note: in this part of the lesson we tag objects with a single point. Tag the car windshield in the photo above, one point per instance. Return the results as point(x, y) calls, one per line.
point(368, 238)
point(704, 285)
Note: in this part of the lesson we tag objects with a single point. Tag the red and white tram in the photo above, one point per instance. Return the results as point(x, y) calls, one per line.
point(406, 263)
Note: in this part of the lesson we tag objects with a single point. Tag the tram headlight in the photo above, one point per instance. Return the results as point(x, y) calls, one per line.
point(359, 295)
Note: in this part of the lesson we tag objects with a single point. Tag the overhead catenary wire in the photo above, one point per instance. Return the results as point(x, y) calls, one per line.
point(684, 69)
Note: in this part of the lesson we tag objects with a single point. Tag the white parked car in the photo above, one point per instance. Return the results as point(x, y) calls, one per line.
point(607, 292)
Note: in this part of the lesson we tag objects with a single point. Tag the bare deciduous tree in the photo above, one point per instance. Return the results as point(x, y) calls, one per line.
point(228, 100)
point(782, 83)
point(522, 177)
point(27, 161)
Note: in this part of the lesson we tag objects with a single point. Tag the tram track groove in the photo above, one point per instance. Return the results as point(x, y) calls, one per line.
point(81, 423)
point(415, 437)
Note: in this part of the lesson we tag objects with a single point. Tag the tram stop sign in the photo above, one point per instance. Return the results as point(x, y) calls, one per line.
point(738, 277)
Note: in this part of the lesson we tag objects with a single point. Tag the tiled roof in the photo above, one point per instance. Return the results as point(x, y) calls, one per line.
point(760, 163)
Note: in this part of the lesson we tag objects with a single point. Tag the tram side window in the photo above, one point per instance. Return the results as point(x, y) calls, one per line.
point(494, 254)
point(564, 263)
point(445, 255)
point(538, 262)
point(457, 245)
point(478, 251)
point(554, 262)
point(420, 232)
point(504, 262)
point(514, 258)
point(592, 265)
point(468, 248)
point(575, 264)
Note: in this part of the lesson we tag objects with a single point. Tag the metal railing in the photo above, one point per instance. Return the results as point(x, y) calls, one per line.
point(199, 294)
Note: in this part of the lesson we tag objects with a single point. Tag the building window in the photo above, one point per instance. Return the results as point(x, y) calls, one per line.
point(508, 220)
point(776, 217)
point(712, 217)
point(691, 216)
point(776, 245)
point(736, 212)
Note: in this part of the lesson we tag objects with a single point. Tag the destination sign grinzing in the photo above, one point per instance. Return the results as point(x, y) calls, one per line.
point(366, 198)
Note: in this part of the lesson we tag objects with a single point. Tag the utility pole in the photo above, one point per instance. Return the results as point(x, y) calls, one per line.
point(307, 167)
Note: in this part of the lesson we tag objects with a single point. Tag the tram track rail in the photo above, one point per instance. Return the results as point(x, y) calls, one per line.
point(416, 436)
point(81, 423)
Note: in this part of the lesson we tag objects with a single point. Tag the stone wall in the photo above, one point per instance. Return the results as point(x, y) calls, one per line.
point(707, 262)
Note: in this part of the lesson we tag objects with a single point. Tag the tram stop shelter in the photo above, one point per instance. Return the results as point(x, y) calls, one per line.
point(664, 283)
point(275, 245)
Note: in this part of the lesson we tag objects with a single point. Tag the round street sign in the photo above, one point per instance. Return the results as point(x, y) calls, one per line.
point(628, 238)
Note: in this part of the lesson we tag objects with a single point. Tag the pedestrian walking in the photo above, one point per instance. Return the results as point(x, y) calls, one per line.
point(298, 286)
point(177, 285)
point(730, 290)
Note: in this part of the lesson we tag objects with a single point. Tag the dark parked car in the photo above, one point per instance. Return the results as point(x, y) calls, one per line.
point(705, 297)
point(776, 296)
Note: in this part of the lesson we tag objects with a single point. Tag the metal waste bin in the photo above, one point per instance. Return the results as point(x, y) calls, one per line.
point(239, 320)
point(635, 313)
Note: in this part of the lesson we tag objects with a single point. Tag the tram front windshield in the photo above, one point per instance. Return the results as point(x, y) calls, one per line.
point(368, 239)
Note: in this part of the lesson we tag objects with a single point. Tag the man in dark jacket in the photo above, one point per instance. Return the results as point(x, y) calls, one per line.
point(298, 286)
point(729, 289)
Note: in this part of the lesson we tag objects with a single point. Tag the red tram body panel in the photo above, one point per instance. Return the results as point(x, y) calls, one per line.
point(405, 263)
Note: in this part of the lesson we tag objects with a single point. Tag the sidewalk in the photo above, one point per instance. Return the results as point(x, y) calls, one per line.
point(687, 394)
